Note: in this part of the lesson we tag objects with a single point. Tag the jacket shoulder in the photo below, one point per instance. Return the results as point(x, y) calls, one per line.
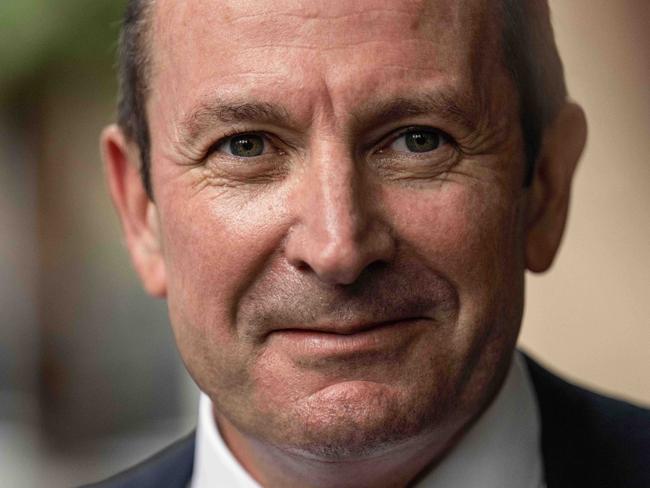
point(589, 439)
point(169, 468)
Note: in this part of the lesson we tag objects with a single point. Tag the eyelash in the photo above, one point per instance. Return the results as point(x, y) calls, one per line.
point(234, 133)
point(381, 145)
point(445, 138)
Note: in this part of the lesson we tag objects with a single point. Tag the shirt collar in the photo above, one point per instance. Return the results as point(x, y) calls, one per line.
point(501, 450)
point(214, 464)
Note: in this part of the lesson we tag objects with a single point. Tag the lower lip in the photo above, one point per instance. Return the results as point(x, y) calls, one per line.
point(392, 336)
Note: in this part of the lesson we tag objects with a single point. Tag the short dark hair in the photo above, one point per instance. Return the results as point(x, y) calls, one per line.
point(133, 74)
point(530, 55)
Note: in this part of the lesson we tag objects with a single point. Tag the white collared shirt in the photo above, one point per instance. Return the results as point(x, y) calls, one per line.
point(501, 450)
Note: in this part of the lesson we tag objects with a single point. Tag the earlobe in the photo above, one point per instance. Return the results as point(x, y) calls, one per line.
point(548, 200)
point(137, 213)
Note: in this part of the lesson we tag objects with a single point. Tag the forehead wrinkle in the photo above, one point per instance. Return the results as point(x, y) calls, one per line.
point(318, 46)
point(307, 14)
point(316, 26)
point(331, 10)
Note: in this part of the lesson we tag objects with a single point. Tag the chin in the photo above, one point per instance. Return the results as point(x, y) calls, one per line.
point(355, 420)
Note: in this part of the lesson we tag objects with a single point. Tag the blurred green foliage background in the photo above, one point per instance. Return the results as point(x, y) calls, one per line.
point(38, 37)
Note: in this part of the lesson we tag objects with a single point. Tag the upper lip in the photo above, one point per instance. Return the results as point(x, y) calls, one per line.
point(343, 327)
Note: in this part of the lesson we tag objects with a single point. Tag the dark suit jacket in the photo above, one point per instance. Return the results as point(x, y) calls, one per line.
point(588, 440)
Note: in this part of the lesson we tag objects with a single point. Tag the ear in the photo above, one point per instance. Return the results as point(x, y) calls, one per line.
point(548, 201)
point(137, 212)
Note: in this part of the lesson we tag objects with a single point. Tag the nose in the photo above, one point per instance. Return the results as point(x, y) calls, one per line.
point(338, 231)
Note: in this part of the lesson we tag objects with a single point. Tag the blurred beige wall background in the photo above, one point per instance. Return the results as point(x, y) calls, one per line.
point(589, 316)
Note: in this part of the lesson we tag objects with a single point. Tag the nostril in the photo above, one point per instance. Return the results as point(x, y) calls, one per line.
point(339, 262)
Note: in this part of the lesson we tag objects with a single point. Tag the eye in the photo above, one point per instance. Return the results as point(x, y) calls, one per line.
point(417, 140)
point(244, 145)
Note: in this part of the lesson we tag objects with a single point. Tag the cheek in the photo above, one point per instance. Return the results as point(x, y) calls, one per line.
point(468, 233)
point(214, 248)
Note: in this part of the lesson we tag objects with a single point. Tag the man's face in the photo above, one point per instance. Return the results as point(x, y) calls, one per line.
point(338, 196)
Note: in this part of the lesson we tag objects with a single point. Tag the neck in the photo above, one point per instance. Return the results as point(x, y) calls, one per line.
point(396, 466)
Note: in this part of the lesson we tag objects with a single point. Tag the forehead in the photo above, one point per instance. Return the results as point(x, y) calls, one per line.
point(249, 22)
point(352, 49)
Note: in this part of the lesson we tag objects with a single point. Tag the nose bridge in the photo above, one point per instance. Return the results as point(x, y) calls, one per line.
point(336, 211)
point(337, 234)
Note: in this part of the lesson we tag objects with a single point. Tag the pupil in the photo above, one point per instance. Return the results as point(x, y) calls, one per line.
point(422, 141)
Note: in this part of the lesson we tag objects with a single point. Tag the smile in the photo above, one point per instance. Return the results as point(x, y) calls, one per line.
point(348, 341)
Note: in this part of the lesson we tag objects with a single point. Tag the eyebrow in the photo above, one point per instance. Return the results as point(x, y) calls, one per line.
point(210, 113)
point(442, 104)
point(207, 114)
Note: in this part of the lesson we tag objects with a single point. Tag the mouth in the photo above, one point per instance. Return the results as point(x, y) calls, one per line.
point(345, 328)
point(348, 339)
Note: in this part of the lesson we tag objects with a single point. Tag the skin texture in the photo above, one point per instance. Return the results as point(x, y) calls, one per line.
point(337, 226)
